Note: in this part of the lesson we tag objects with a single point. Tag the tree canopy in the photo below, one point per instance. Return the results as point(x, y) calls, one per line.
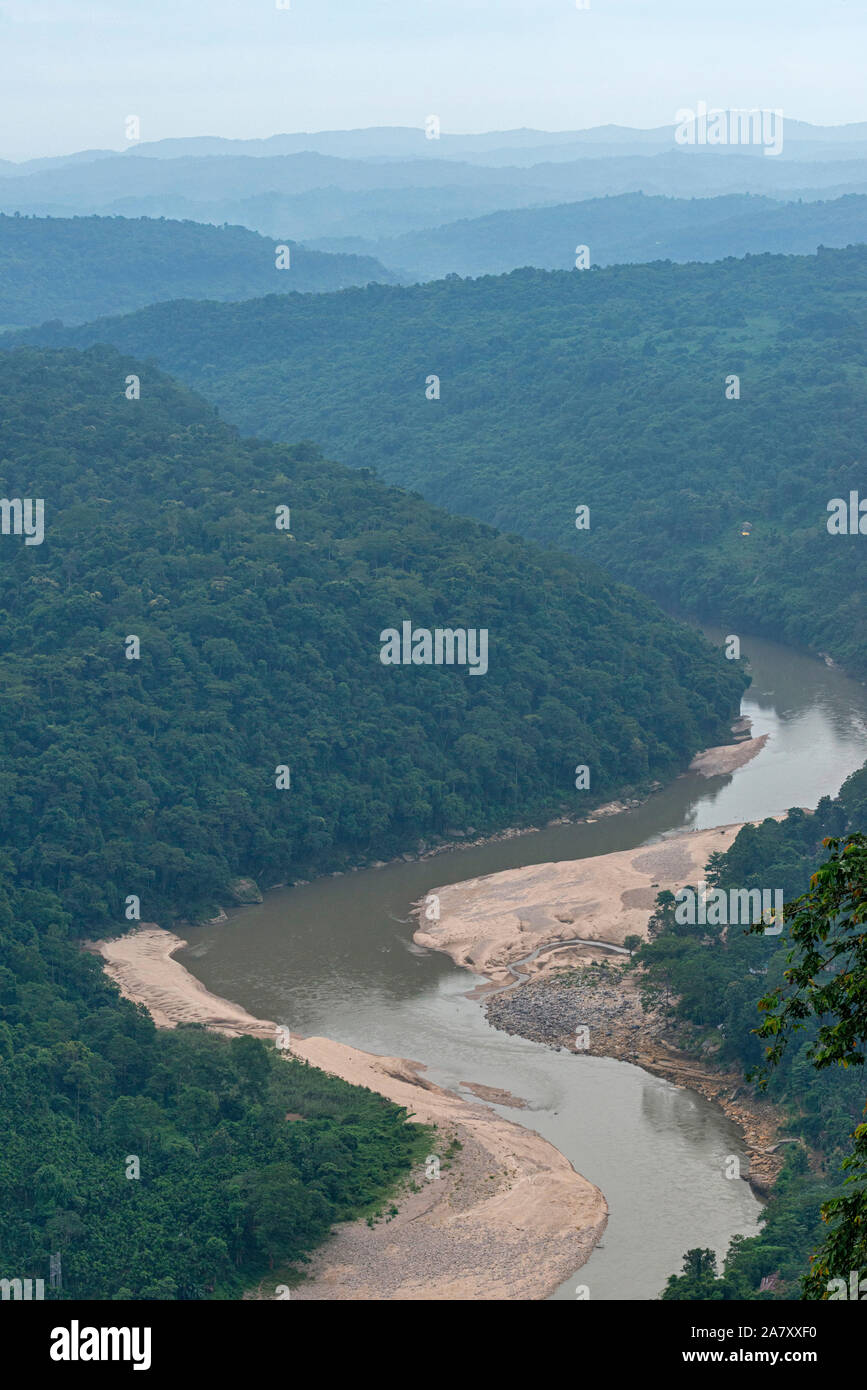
point(604, 388)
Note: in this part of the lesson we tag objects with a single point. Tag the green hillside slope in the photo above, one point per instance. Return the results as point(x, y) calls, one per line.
point(603, 388)
point(260, 648)
point(619, 230)
point(77, 268)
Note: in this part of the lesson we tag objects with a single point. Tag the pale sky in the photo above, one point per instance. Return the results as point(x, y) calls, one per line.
point(72, 71)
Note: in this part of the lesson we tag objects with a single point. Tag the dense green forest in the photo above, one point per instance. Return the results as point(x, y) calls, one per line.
point(602, 388)
point(227, 1187)
point(260, 649)
point(715, 979)
point(155, 777)
point(77, 268)
point(617, 231)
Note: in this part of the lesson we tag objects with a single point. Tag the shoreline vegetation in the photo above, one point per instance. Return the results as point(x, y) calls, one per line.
point(720, 761)
point(508, 1219)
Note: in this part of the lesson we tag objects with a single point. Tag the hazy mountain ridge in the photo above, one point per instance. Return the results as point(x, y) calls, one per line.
point(617, 230)
point(391, 142)
point(387, 183)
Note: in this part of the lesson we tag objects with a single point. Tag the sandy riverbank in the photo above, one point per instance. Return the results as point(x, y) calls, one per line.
point(718, 762)
point(487, 923)
point(509, 1219)
point(141, 965)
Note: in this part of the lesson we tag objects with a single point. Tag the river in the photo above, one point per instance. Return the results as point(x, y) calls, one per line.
point(335, 958)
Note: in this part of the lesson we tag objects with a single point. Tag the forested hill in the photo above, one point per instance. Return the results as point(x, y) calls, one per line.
point(77, 268)
point(618, 230)
point(153, 778)
point(260, 649)
point(604, 388)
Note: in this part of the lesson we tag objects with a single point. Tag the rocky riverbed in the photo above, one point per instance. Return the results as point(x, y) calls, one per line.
point(597, 1010)
point(552, 1008)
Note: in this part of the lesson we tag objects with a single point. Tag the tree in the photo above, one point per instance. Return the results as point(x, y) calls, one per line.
point(826, 981)
point(698, 1280)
